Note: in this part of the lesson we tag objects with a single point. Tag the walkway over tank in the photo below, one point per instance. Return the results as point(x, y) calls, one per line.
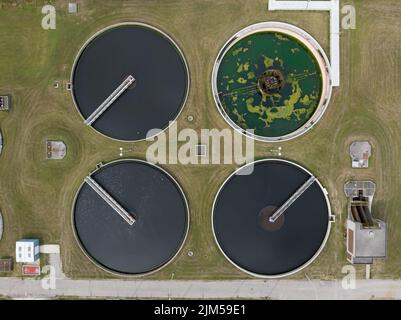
point(292, 199)
point(110, 99)
point(109, 200)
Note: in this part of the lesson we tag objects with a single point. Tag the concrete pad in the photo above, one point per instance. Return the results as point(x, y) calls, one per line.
point(49, 248)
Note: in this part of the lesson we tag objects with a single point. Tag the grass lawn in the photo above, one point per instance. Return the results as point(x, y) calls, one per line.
point(36, 195)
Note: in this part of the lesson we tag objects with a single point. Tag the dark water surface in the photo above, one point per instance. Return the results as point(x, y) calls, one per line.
point(159, 207)
point(156, 64)
point(237, 222)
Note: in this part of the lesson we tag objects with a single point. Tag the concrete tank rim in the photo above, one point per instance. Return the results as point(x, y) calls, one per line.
point(122, 274)
point(317, 253)
point(307, 40)
point(150, 27)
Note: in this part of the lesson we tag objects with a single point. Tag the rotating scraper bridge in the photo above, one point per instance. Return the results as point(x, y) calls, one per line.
point(130, 80)
point(292, 199)
point(242, 224)
point(107, 208)
point(106, 102)
point(110, 200)
point(310, 44)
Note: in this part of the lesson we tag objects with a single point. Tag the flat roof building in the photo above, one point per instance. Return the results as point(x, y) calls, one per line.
point(27, 251)
point(360, 152)
point(72, 7)
point(55, 150)
point(5, 102)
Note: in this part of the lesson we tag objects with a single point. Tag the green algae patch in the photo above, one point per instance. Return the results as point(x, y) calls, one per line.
point(279, 112)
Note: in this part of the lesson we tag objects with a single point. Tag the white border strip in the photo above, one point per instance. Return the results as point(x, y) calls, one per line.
point(307, 40)
point(114, 272)
point(333, 6)
point(144, 25)
point(330, 221)
point(1, 143)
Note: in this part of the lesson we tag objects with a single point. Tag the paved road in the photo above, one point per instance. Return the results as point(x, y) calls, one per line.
point(277, 289)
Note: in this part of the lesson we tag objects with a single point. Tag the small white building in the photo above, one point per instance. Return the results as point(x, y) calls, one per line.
point(360, 152)
point(72, 7)
point(27, 251)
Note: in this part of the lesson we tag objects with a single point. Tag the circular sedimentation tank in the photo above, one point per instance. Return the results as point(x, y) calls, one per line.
point(147, 193)
point(155, 98)
point(241, 218)
point(272, 78)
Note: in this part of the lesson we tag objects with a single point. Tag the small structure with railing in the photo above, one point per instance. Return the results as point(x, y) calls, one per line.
point(366, 235)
